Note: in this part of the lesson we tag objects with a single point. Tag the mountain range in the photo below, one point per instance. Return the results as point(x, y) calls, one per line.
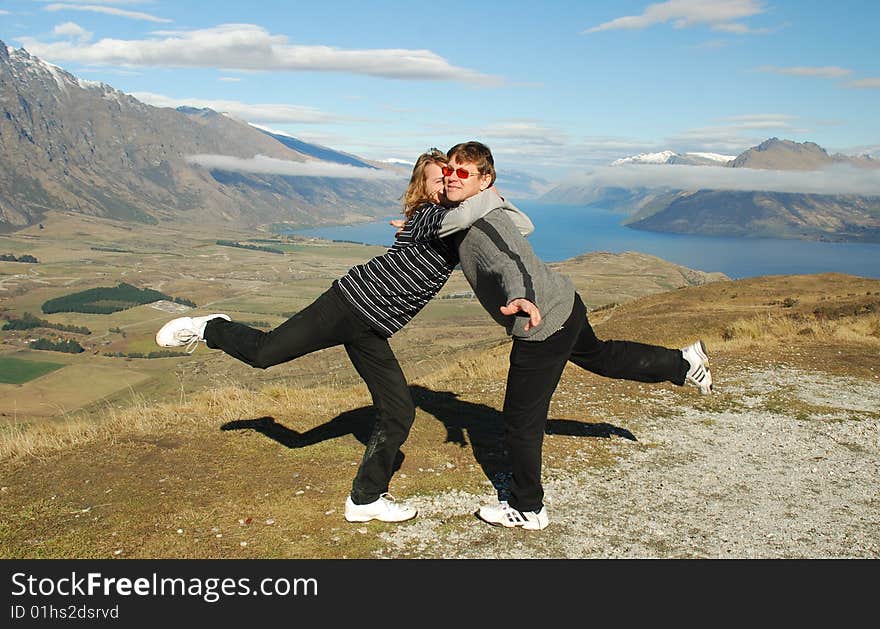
point(664, 206)
point(79, 146)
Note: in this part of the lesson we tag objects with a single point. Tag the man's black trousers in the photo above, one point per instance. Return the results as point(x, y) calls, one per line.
point(535, 370)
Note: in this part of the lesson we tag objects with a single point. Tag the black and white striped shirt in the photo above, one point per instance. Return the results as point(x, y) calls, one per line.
point(389, 290)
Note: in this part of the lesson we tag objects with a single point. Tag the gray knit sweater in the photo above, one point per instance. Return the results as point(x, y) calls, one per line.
point(500, 266)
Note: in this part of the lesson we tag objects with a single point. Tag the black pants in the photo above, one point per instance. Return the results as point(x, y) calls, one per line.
point(535, 369)
point(327, 322)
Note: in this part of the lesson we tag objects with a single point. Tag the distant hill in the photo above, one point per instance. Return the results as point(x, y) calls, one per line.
point(776, 154)
point(810, 216)
point(72, 145)
point(771, 214)
point(319, 152)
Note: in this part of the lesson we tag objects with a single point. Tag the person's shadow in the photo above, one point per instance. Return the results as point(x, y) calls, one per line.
point(464, 421)
point(484, 426)
point(358, 422)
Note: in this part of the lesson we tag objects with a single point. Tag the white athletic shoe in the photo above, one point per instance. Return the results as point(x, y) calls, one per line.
point(698, 374)
point(384, 509)
point(185, 331)
point(503, 514)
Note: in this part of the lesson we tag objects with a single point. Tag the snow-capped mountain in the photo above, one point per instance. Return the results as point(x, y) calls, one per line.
point(671, 157)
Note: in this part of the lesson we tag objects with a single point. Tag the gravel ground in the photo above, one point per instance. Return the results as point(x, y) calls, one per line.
point(782, 463)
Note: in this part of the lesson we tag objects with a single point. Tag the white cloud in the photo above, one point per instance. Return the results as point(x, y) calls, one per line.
point(5, 12)
point(230, 79)
point(719, 14)
point(760, 121)
point(713, 44)
point(71, 29)
point(871, 83)
point(733, 27)
point(524, 132)
point(834, 180)
point(272, 166)
point(96, 8)
point(552, 160)
point(734, 133)
point(251, 47)
point(267, 112)
point(825, 72)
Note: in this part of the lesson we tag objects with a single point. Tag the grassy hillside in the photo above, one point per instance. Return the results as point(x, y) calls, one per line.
point(251, 469)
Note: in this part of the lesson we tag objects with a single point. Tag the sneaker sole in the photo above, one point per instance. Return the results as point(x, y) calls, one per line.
point(357, 519)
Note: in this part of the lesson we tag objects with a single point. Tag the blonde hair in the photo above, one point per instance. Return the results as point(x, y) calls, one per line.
point(417, 193)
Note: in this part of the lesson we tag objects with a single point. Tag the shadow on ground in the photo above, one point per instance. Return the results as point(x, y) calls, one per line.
point(479, 424)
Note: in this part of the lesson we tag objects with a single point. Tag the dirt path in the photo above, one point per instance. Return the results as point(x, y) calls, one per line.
point(782, 463)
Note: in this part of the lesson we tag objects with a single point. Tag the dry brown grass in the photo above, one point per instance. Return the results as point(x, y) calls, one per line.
point(744, 334)
point(733, 317)
point(141, 417)
point(127, 477)
point(221, 404)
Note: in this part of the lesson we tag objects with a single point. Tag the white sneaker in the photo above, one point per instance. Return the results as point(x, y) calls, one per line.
point(384, 509)
point(698, 374)
point(185, 331)
point(503, 514)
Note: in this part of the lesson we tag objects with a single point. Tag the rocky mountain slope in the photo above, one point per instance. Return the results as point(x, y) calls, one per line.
point(73, 145)
point(841, 218)
point(776, 154)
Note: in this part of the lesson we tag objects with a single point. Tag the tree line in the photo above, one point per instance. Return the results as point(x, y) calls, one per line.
point(232, 243)
point(67, 346)
point(163, 353)
point(29, 321)
point(105, 300)
point(8, 257)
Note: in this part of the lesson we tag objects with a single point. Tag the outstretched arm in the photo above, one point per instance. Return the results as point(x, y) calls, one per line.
point(438, 223)
point(471, 210)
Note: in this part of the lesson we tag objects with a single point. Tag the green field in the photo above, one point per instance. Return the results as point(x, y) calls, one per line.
point(17, 371)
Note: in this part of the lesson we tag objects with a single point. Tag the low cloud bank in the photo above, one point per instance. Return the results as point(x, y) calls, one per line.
point(840, 179)
point(271, 166)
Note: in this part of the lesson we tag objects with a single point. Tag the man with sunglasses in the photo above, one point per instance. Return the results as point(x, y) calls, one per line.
point(547, 319)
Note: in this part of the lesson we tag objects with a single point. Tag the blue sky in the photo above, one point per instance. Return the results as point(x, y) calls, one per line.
point(551, 87)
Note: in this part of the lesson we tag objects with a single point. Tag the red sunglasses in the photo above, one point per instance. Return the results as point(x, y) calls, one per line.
point(461, 172)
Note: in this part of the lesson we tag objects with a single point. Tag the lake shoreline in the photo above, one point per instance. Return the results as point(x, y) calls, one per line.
point(563, 232)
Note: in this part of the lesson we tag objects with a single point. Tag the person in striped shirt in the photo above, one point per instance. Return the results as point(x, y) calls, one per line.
point(360, 311)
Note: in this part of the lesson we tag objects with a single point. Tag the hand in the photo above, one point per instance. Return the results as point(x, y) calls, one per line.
point(523, 305)
point(398, 223)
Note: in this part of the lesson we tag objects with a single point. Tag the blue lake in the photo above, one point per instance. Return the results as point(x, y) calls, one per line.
point(563, 231)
